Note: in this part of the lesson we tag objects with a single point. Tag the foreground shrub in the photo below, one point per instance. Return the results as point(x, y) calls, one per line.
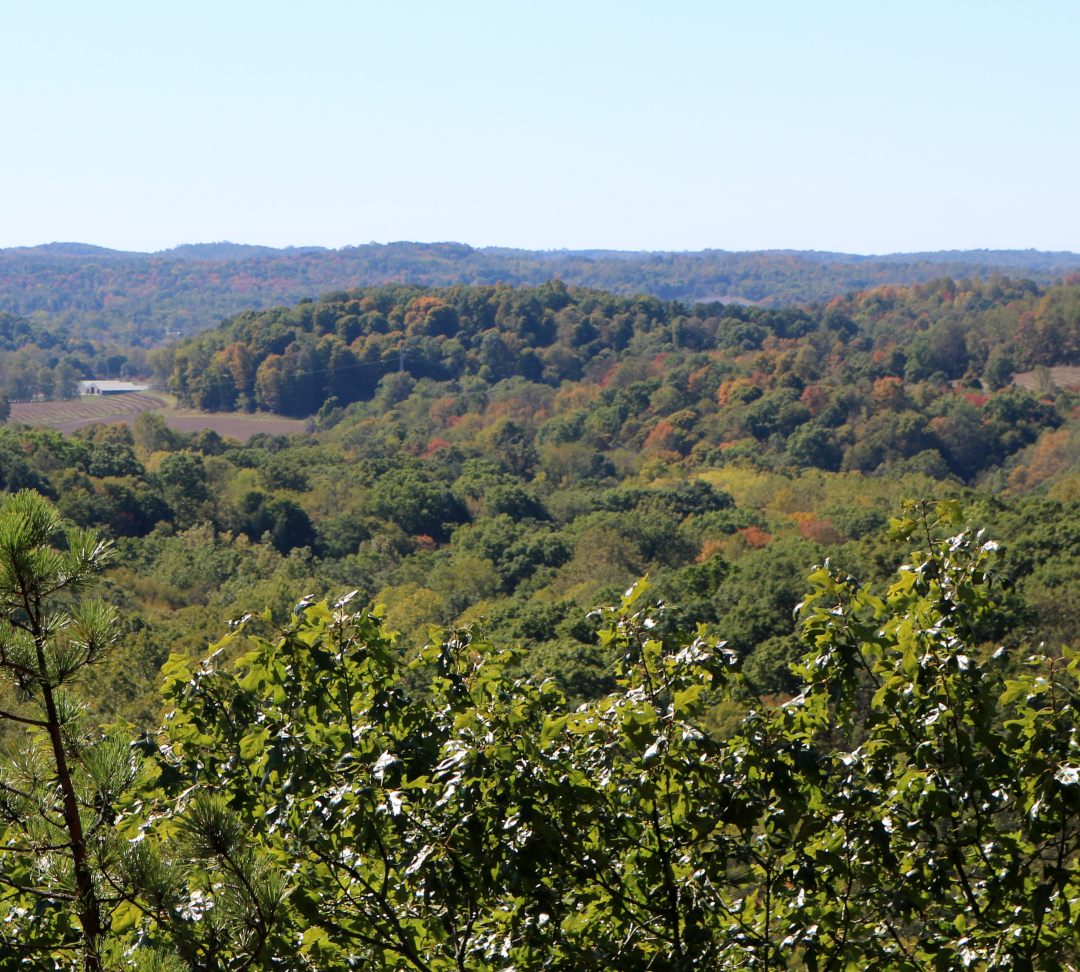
point(330, 803)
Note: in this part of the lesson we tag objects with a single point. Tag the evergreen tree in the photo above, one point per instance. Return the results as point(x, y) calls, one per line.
point(57, 780)
point(94, 865)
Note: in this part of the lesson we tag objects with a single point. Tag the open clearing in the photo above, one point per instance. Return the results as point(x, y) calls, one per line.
point(70, 415)
point(1062, 376)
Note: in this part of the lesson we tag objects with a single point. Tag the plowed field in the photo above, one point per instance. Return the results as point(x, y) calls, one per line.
point(95, 408)
point(1063, 376)
point(70, 415)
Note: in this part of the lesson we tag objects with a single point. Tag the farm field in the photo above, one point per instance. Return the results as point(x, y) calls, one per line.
point(240, 426)
point(74, 413)
point(1063, 376)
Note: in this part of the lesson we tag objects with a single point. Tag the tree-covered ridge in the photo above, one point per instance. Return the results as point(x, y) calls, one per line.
point(548, 783)
point(141, 298)
point(865, 380)
point(877, 767)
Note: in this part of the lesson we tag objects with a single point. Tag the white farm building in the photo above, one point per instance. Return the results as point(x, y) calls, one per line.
point(109, 387)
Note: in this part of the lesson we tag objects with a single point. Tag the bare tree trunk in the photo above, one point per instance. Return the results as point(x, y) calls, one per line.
point(87, 903)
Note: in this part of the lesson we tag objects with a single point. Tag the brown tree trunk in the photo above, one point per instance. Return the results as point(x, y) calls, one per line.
point(87, 903)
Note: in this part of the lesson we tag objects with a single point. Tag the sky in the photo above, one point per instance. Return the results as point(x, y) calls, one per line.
point(864, 127)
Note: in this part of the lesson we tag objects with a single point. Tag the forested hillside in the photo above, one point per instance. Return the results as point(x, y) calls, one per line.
point(845, 385)
point(322, 795)
point(37, 361)
point(146, 299)
point(543, 447)
point(489, 716)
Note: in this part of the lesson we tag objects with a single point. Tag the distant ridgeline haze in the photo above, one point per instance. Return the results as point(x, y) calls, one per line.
point(149, 298)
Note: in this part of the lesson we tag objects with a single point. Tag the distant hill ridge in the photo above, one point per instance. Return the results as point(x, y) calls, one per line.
point(114, 295)
point(1030, 259)
point(187, 251)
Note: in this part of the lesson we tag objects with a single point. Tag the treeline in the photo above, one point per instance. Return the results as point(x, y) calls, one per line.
point(885, 376)
point(147, 299)
point(43, 362)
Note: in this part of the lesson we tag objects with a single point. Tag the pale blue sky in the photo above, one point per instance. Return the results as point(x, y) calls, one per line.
point(866, 127)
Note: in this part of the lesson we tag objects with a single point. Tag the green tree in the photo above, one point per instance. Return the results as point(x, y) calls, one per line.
point(321, 753)
point(67, 381)
point(999, 370)
point(94, 863)
point(153, 435)
point(956, 816)
point(291, 525)
point(814, 446)
point(415, 501)
point(56, 779)
point(46, 383)
point(183, 480)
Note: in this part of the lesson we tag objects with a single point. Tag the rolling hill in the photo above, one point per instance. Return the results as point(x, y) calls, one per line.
point(152, 298)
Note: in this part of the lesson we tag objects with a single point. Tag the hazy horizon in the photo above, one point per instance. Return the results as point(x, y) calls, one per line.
point(944, 251)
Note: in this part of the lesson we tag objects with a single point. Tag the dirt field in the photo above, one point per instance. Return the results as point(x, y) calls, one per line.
point(1062, 376)
point(70, 415)
point(79, 411)
point(241, 427)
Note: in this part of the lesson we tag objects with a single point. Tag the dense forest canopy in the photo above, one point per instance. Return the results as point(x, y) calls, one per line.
point(43, 362)
point(543, 447)
point(488, 714)
point(147, 299)
point(330, 800)
point(916, 375)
